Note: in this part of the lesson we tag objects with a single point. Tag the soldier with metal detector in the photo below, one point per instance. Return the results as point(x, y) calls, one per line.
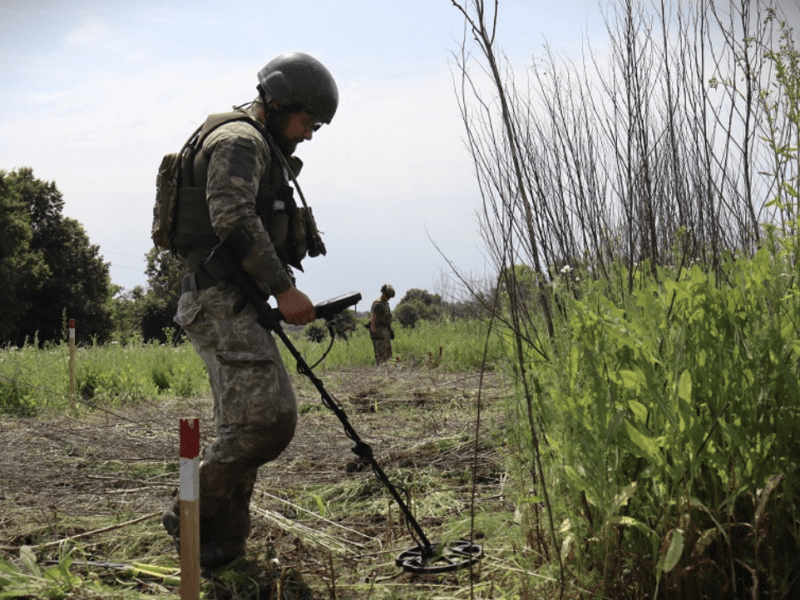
point(235, 179)
point(239, 231)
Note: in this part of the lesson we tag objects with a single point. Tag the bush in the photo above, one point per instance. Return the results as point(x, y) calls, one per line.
point(408, 314)
point(315, 332)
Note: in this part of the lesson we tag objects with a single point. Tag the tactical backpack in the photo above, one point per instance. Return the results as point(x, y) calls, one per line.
point(168, 182)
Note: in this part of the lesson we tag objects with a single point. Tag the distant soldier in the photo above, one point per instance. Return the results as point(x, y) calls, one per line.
point(380, 325)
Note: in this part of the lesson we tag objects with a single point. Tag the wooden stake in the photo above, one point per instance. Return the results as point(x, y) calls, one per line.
point(72, 364)
point(190, 509)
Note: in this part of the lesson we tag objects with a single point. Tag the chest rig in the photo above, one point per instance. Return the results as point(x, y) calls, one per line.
point(287, 224)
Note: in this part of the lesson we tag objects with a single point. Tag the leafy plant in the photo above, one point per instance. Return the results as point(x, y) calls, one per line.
point(32, 581)
point(671, 420)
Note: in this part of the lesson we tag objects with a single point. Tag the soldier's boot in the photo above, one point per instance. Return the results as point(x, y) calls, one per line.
point(222, 536)
point(231, 526)
point(171, 520)
point(211, 554)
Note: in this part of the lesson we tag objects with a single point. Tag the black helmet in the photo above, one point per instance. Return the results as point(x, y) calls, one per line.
point(297, 78)
point(387, 290)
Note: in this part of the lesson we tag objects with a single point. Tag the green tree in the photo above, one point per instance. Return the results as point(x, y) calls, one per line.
point(147, 313)
point(70, 281)
point(128, 308)
point(315, 332)
point(344, 324)
point(417, 305)
point(408, 314)
point(160, 302)
point(423, 296)
point(22, 268)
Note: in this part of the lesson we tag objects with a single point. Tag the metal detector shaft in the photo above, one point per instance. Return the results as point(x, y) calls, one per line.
point(223, 266)
point(361, 448)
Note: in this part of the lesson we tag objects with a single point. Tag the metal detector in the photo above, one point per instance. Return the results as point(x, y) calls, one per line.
point(425, 557)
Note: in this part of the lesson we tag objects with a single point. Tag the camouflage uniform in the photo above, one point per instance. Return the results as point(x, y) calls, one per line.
point(381, 329)
point(255, 409)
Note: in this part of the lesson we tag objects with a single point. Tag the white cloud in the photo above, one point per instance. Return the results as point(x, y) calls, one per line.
point(92, 34)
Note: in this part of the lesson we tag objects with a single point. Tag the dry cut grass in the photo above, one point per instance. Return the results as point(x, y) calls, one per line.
point(324, 527)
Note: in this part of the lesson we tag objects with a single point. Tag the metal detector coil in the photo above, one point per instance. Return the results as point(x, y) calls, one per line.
point(439, 558)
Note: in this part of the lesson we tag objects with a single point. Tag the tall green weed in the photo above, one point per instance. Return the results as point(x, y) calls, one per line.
point(671, 419)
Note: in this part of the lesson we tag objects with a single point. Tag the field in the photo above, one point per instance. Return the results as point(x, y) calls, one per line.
point(645, 448)
point(84, 493)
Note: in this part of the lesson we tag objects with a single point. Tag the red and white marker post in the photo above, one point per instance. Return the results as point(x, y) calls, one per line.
point(72, 364)
point(190, 509)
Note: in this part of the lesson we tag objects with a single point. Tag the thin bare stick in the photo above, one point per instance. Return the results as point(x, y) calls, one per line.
point(84, 534)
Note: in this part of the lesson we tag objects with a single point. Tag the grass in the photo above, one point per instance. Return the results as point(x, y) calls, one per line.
point(448, 346)
point(32, 380)
point(326, 532)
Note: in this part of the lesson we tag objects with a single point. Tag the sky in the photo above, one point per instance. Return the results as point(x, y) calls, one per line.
point(94, 93)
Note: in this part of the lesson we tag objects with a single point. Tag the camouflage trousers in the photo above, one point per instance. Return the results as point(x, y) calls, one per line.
point(382, 345)
point(255, 409)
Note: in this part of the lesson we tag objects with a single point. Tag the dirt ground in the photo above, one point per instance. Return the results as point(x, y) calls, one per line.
point(59, 473)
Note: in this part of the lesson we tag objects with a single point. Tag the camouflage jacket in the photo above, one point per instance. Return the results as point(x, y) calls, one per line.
point(242, 183)
point(381, 316)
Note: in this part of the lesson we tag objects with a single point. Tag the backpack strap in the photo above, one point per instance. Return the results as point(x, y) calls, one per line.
point(196, 140)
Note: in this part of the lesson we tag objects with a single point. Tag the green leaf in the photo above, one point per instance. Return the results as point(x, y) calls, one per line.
point(646, 443)
point(693, 501)
point(670, 558)
point(639, 410)
point(631, 522)
point(566, 526)
point(708, 536)
point(622, 497)
point(631, 380)
point(10, 568)
point(28, 559)
point(566, 546)
point(685, 386)
point(763, 496)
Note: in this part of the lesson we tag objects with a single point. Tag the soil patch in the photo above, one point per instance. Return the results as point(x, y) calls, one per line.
point(62, 475)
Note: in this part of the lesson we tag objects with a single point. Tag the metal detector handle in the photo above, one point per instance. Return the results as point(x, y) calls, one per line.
point(328, 309)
